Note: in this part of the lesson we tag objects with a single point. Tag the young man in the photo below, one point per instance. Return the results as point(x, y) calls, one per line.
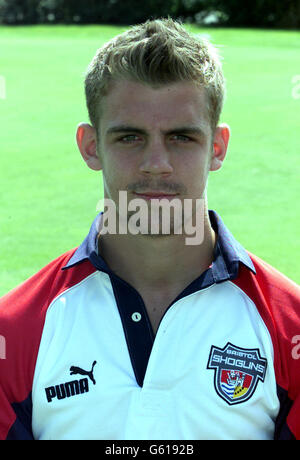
point(141, 335)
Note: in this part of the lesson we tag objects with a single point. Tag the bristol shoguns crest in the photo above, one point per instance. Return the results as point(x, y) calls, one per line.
point(237, 371)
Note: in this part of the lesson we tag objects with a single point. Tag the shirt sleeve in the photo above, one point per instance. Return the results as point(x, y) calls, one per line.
point(22, 317)
point(277, 299)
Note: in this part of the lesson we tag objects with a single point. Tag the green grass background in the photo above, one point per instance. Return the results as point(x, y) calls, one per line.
point(48, 196)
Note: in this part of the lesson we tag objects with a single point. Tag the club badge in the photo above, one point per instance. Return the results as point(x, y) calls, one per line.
point(237, 371)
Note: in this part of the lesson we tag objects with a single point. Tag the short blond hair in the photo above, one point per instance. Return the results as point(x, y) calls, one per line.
point(156, 52)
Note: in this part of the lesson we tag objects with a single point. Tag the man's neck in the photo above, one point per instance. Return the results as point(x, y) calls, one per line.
point(161, 262)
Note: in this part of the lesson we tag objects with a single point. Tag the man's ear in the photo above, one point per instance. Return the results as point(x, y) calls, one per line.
point(87, 143)
point(220, 144)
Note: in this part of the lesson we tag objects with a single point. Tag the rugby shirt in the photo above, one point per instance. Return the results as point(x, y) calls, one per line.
point(82, 362)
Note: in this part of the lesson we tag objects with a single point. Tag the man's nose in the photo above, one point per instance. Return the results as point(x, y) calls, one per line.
point(156, 159)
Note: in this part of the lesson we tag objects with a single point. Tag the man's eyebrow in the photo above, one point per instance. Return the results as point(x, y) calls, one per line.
point(180, 129)
point(198, 130)
point(125, 129)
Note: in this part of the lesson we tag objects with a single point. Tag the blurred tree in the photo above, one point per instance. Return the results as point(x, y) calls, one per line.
point(259, 13)
point(233, 13)
point(18, 11)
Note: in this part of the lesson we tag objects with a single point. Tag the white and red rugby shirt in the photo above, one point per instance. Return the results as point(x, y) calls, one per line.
point(82, 362)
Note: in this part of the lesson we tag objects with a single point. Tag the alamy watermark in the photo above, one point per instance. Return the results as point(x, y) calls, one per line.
point(296, 348)
point(295, 86)
point(2, 87)
point(2, 347)
point(154, 217)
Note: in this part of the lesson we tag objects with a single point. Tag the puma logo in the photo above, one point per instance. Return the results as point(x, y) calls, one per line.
point(72, 388)
point(78, 370)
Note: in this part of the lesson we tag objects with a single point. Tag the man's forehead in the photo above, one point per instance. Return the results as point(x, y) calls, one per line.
point(181, 103)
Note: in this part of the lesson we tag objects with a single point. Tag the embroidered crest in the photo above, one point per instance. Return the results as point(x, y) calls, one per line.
point(237, 371)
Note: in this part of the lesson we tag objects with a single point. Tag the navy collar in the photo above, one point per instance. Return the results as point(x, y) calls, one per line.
point(228, 253)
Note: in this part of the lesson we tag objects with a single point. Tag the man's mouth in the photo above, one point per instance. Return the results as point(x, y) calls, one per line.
point(155, 195)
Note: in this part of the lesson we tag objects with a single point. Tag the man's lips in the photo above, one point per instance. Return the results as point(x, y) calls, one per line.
point(156, 194)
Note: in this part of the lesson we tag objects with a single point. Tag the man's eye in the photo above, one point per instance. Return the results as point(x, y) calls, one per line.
point(181, 138)
point(128, 138)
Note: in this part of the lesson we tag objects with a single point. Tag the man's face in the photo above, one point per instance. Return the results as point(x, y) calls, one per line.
point(155, 143)
point(155, 139)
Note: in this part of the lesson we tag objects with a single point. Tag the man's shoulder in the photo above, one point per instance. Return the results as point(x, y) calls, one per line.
point(276, 296)
point(272, 280)
point(35, 294)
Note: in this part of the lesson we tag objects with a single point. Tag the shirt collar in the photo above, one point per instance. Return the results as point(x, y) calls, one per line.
point(228, 252)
